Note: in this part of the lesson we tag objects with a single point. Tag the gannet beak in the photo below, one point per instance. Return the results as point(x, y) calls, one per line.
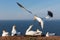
point(34, 18)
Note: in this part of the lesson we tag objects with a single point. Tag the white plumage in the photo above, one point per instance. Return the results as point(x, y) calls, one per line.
point(47, 17)
point(13, 30)
point(49, 34)
point(38, 32)
point(5, 33)
point(39, 20)
point(30, 32)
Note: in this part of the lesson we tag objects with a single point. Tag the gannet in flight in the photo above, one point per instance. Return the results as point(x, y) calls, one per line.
point(39, 20)
point(5, 33)
point(30, 32)
point(14, 32)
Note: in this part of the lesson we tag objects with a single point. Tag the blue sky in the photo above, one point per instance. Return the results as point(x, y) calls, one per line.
point(9, 10)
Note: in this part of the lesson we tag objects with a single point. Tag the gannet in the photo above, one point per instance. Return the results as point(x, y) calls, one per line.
point(39, 20)
point(31, 32)
point(49, 34)
point(14, 32)
point(5, 33)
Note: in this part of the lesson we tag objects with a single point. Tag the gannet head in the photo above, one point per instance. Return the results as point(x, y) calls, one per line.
point(14, 27)
point(47, 33)
point(30, 26)
point(35, 17)
point(39, 31)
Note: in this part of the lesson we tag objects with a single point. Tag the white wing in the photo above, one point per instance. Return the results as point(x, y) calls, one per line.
point(39, 20)
point(47, 17)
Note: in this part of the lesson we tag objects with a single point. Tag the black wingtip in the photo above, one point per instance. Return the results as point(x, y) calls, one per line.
point(50, 13)
point(19, 5)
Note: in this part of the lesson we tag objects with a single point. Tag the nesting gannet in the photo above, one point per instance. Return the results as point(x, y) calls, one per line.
point(30, 32)
point(39, 20)
point(49, 34)
point(50, 14)
point(5, 33)
point(13, 30)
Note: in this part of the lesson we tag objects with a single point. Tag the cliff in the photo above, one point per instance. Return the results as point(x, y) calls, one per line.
point(29, 38)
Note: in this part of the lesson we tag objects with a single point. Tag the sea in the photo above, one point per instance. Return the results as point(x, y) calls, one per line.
point(51, 26)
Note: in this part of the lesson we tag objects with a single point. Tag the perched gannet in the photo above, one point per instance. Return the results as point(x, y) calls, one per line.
point(5, 33)
point(39, 20)
point(30, 32)
point(49, 34)
point(13, 30)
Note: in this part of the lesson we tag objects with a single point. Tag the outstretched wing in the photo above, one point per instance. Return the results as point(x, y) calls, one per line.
point(19, 5)
point(39, 20)
point(50, 13)
point(23, 7)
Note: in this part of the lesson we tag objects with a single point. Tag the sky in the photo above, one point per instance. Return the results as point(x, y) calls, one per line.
point(9, 10)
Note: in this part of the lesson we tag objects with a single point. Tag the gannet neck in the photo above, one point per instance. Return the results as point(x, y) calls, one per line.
point(29, 28)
